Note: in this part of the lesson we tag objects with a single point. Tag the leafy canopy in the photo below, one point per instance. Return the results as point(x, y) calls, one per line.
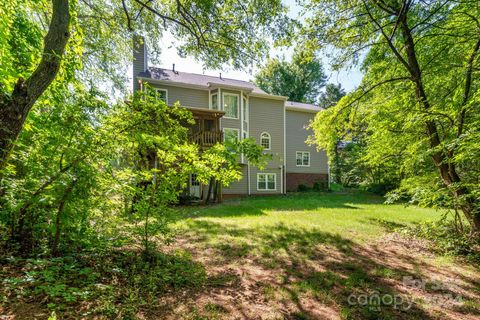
point(300, 80)
point(417, 105)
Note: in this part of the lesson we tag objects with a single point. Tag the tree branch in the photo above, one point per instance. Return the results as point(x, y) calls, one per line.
point(468, 85)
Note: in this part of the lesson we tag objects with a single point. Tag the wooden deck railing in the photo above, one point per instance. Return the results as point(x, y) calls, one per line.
point(206, 138)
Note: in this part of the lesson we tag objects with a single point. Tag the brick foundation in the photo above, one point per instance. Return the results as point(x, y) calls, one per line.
point(308, 179)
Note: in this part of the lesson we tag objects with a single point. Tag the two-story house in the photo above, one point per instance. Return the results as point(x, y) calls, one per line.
point(234, 109)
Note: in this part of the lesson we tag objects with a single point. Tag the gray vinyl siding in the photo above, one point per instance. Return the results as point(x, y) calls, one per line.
point(187, 97)
point(266, 115)
point(296, 135)
point(238, 187)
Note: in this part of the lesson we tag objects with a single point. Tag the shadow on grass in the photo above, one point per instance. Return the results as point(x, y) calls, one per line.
point(388, 225)
point(256, 206)
point(312, 265)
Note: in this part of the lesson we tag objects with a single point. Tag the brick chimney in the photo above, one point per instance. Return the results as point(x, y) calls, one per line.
point(140, 60)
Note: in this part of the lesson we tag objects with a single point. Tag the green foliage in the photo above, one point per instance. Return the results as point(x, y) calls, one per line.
point(333, 93)
point(302, 188)
point(102, 34)
point(116, 282)
point(406, 137)
point(300, 80)
point(55, 170)
point(84, 172)
point(448, 236)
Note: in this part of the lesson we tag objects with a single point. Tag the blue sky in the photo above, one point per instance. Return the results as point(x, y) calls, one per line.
point(349, 79)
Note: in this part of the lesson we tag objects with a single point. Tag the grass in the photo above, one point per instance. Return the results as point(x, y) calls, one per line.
point(357, 216)
point(301, 256)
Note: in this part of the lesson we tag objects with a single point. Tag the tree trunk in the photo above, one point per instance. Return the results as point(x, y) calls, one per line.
point(336, 161)
point(215, 192)
point(442, 159)
point(209, 192)
point(58, 218)
point(14, 108)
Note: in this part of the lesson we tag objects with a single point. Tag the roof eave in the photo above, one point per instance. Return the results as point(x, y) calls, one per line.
point(173, 83)
point(302, 109)
point(268, 96)
point(227, 86)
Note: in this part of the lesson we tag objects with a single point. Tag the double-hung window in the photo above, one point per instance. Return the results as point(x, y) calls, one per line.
point(161, 94)
point(230, 105)
point(215, 101)
point(266, 181)
point(303, 159)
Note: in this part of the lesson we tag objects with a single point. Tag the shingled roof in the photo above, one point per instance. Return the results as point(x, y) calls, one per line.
point(199, 80)
point(292, 105)
point(208, 82)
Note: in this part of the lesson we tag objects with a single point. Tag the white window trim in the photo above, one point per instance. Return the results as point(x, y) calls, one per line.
point(166, 93)
point(238, 104)
point(269, 140)
point(309, 159)
point(211, 101)
point(266, 181)
point(233, 129)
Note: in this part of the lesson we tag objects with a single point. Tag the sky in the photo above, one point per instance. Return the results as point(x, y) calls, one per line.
point(349, 79)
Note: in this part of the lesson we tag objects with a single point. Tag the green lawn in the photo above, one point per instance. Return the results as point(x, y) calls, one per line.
point(359, 216)
point(302, 256)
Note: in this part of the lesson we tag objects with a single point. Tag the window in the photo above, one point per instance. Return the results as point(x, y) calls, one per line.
point(230, 105)
point(265, 140)
point(215, 101)
point(245, 110)
point(161, 94)
point(266, 181)
point(303, 159)
point(230, 135)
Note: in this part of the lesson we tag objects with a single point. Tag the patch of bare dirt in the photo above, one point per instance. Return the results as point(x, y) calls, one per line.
point(255, 287)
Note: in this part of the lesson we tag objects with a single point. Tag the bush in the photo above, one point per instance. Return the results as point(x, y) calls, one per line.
point(114, 283)
point(303, 188)
point(379, 188)
point(320, 185)
point(447, 238)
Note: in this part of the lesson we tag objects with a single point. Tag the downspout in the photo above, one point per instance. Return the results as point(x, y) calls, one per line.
point(248, 178)
point(328, 173)
point(285, 147)
point(281, 178)
point(242, 157)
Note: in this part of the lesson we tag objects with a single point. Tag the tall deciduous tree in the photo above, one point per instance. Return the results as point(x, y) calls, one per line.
point(329, 98)
point(300, 80)
point(332, 94)
point(419, 97)
point(93, 38)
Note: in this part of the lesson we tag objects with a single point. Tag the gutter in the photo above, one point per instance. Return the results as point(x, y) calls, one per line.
point(174, 84)
point(302, 109)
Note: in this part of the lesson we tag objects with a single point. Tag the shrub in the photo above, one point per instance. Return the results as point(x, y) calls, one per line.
point(320, 185)
point(447, 238)
point(303, 188)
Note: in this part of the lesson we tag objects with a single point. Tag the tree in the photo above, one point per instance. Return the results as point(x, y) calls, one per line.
point(339, 164)
point(300, 80)
point(56, 171)
point(333, 93)
point(419, 97)
point(90, 38)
